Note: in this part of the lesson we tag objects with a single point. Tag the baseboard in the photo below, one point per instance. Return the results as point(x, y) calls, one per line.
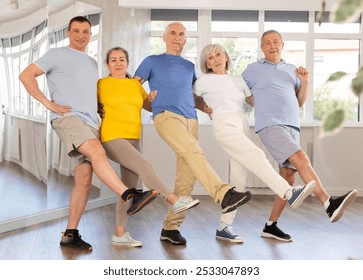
point(37, 218)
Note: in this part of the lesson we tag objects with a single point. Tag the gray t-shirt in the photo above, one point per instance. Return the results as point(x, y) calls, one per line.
point(72, 80)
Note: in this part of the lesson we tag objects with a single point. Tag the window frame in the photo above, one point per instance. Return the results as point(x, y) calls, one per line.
point(204, 36)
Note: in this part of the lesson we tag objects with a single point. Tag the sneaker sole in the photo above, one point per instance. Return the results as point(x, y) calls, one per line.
point(144, 203)
point(62, 244)
point(244, 200)
point(186, 207)
point(126, 244)
point(229, 239)
point(271, 236)
point(167, 239)
point(344, 205)
point(309, 188)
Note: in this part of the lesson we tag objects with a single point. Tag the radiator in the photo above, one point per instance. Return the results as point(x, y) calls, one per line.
point(14, 143)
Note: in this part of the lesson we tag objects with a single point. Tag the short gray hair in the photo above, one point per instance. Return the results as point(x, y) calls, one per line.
point(204, 56)
point(174, 23)
point(269, 32)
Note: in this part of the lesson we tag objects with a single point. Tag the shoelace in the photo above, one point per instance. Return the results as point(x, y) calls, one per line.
point(186, 198)
point(229, 230)
point(129, 238)
point(297, 189)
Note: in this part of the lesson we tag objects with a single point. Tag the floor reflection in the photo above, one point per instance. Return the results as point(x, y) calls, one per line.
point(21, 193)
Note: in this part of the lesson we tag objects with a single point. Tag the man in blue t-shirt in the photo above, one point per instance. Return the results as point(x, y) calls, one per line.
point(278, 90)
point(175, 120)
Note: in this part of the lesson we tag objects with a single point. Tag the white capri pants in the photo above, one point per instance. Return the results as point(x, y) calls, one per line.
point(232, 134)
point(231, 131)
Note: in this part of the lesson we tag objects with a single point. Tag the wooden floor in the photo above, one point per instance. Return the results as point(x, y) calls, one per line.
point(314, 237)
point(22, 194)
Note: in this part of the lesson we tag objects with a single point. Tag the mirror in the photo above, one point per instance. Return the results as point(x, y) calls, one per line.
point(35, 171)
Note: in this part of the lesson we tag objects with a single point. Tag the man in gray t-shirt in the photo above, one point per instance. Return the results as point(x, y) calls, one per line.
point(72, 80)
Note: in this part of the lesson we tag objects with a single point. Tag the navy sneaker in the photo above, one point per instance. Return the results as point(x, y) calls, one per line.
point(299, 193)
point(228, 235)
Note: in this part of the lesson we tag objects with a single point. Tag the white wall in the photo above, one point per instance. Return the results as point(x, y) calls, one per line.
point(338, 160)
point(294, 5)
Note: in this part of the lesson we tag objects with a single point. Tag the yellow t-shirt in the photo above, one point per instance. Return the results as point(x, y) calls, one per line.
point(122, 101)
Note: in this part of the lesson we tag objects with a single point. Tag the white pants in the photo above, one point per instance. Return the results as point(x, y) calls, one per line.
point(231, 131)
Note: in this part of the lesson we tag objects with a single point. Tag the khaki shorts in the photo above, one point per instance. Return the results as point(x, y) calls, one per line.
point(73, 132)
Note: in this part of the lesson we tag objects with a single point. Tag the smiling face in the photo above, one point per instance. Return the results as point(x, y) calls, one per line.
point(272, 46)
point(175, 38)
point(216, 62)
point(117, 64)
point(79, 35)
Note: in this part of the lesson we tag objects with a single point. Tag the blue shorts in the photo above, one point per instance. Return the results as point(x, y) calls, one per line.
point(282, 142)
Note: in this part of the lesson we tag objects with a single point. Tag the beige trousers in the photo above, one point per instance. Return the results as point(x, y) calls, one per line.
point(181, 134)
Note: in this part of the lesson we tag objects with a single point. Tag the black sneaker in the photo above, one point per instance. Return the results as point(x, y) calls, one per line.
point(140, 200)
point(339, 204)
point(172, 236)
point(232, 199)
point(273, 231)
point(73, 239)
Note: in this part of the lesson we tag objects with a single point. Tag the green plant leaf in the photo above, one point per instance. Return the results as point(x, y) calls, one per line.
point(346, 11)
point(357, 85)
point(360, 71)
point(336, 76)
point(333, 123)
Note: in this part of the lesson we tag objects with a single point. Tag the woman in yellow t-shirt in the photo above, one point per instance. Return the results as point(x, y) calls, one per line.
point(122, 99)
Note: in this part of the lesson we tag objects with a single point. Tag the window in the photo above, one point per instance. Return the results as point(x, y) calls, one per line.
point(323, 49)
point(287, 21)
point(331, 56)
point(17, 53)
point(329, 27)
point(234, 21)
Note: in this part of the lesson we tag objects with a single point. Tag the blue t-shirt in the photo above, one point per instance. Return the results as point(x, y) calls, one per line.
point(273, 88)
point(72, 80)
point(172, 76)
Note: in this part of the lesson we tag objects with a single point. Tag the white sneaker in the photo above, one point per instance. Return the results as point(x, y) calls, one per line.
point(184, 203)
point(125, 240)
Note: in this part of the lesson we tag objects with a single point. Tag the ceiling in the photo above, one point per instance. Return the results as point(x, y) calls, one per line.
point(11, 10)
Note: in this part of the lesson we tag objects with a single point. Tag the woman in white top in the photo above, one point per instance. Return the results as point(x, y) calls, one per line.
point(222, 96)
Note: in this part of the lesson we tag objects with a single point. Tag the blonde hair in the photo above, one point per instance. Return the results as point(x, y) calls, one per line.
point(204, 56)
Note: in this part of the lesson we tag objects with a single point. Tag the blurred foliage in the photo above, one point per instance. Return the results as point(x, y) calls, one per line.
point(342, 11)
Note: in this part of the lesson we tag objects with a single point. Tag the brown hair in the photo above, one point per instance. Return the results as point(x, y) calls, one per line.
point(78, 19)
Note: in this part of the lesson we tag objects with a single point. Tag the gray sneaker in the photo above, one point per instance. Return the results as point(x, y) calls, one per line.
point(184, 203)
point(299, 193)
